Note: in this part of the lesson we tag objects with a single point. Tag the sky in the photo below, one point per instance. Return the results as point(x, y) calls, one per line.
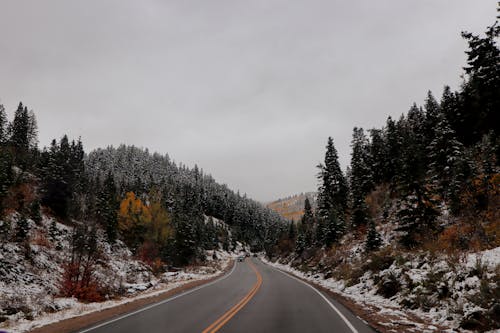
point(247, 90)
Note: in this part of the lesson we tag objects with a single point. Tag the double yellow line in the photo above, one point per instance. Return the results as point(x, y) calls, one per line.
point(231, 312)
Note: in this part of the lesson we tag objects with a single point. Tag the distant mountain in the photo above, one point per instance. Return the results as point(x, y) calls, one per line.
point(292, 207)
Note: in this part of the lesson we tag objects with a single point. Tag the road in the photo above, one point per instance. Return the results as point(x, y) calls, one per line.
point(253, 297)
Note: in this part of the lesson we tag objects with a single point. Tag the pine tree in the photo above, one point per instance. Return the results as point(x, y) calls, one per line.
point(6, 175)
point(308, 217)
point(56, 192)
point(19, 139)
point(479, 96)
point(432, 117)
point(361, 181)
point(332, 229)
point(107, 207)
point(378, 157)
point(417, 217)
point(451, 109)
point(53, 231)
point(447, 170)
point(22, 229)
point(333, 191)
point(394, 152)
point(413, 163)
point(373, 239)
point(3, 126)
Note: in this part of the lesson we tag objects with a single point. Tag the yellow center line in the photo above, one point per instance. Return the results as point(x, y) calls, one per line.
point(231, 312)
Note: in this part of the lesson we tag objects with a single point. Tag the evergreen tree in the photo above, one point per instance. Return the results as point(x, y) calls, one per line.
point(333, 190)
point(394, 152)
point(308, 217)
point(417, 217)
point(413, 163)
point(361, 178)
point(432, 117)
point(373, 239)
point(22, 229)
point(186, 247)
point(447, 169)
point(332, 229)
point(107, 206)
point(480, 102)
point(379, 158)
point(6, 175)
point(56, 192)
point(3, 126)
point(53, 231)
point(451, 109)
point(19, 140)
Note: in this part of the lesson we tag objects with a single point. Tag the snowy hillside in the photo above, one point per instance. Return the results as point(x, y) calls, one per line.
point(32, 274)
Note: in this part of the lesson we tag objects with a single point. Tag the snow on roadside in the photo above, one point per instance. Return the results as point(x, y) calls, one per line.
point(462, 284)
point(70, 307)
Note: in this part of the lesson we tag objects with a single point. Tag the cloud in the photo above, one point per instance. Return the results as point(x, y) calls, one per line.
point(249, 90)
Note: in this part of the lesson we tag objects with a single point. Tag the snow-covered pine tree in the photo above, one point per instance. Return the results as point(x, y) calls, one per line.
point(432, 118)
point(448, 168)
point(106, 208)
point(332, 229)
point(394, 152)
point(3, 125)
point(417, 217)
point(361, 181)
point(22, 228)
point(378, 157)
point(333, 190)
point(479, 95)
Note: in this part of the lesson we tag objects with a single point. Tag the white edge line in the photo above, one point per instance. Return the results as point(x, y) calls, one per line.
point(348, 323)
point(160, 303)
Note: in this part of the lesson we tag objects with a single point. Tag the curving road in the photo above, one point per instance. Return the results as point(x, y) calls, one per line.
point(253, 297)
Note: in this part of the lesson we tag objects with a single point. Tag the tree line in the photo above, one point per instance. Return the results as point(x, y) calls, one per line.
point(166, 213)
point(437, 159)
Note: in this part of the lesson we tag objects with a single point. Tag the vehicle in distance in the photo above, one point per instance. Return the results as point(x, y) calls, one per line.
point(241, 258)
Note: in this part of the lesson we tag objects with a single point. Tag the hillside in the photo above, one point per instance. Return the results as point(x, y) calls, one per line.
point(412, 229)
point(292, 207)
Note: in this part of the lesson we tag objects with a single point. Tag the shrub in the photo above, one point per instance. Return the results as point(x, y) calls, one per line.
point(79, 282)
point(379, 261)
point(389, 285)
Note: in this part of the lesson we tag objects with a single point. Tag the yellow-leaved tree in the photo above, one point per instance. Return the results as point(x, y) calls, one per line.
point(133, 219)
point(145, 227)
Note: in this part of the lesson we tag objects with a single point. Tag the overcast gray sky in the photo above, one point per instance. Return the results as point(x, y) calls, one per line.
point(249, 90)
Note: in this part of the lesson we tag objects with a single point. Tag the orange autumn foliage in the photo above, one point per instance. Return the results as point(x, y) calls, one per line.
point(132, 213)
point(144, 226)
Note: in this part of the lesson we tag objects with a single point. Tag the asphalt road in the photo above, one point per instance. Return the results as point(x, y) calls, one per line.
point(253, 297)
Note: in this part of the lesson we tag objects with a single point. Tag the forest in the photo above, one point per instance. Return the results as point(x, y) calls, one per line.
point(166, 214)
point(437, 162)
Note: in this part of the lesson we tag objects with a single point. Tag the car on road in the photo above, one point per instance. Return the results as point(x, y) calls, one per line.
point(241, 258)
